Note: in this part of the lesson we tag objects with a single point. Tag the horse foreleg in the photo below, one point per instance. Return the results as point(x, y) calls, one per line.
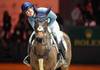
point(64, 68)
point(41, 64)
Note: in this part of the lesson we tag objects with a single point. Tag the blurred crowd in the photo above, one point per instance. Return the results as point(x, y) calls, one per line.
point(86, 14)
point(13, 43)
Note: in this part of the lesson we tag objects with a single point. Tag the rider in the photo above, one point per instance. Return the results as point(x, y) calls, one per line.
point(29, 9)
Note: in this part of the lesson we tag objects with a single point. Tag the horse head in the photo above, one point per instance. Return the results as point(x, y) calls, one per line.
point(41, 22)
point(42, 36)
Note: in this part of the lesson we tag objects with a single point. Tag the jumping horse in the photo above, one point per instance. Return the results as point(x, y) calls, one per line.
point(43, 51)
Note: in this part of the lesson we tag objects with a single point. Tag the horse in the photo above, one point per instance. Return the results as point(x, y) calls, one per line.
point(43, 50)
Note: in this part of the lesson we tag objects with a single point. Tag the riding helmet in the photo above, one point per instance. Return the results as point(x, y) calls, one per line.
point(26, 5)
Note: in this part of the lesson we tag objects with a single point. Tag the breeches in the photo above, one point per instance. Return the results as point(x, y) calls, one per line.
point(55, 29)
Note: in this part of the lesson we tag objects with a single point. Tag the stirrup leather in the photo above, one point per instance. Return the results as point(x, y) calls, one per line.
point(25, 61)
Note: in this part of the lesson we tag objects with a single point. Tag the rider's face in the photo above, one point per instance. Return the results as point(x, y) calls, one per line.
point(29, 12)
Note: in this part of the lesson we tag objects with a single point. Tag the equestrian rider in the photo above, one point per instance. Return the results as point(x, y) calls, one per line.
point(29, 9)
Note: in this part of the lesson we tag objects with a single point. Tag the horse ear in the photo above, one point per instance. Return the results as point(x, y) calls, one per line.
point(48, 10)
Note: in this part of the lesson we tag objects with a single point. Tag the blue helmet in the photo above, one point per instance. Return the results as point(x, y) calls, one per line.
point(26, 5)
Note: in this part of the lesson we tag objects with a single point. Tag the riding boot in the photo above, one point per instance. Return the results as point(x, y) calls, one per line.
point(27, 58)
point(62, 51)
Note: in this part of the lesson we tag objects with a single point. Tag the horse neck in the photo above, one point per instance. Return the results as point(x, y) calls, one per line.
point(41, 48)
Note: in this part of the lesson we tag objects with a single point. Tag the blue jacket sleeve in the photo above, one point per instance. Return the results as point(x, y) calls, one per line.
point(52, 17)
point(31, 21)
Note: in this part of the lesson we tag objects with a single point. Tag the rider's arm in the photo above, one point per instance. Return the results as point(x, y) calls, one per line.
point(52, 16)
point(31, 21)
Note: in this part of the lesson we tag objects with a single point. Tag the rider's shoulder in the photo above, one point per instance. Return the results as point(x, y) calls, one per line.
point(42, 9)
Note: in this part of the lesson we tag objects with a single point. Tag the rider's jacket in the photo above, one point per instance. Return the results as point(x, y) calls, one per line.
point(51, 16)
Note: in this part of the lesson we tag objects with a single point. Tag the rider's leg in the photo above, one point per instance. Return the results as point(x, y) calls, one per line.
point(56, 30)
point(59, 35)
